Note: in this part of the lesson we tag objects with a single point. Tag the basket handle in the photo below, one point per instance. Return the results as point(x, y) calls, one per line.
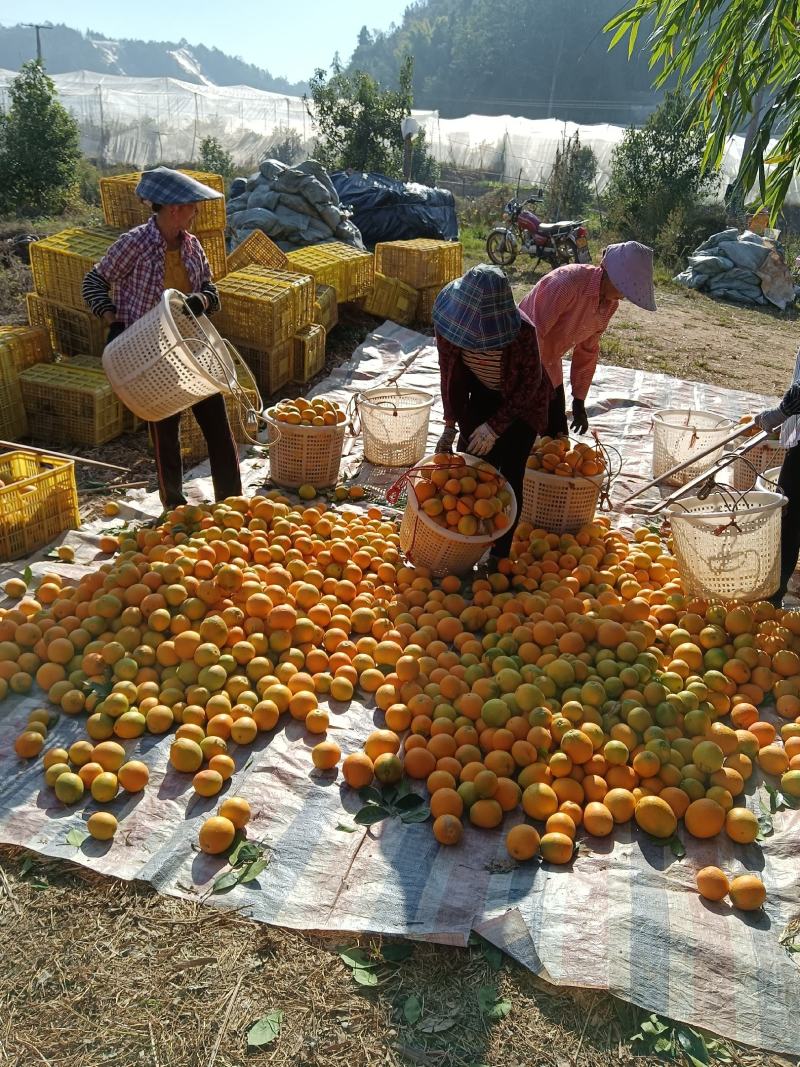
point(354, 414)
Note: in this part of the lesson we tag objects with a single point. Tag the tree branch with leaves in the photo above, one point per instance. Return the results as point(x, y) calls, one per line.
point(739, 60)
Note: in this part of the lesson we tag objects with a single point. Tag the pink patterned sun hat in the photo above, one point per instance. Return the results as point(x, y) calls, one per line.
point(629, 266)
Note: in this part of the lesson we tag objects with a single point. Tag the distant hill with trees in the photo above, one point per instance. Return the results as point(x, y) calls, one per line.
point(536, 58)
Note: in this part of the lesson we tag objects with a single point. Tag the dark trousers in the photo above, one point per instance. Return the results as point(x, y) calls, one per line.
point(509, 454)
point(789, 483)
point(223, 452)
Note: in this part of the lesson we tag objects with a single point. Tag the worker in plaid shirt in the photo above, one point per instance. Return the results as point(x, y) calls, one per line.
point(571, 308)
point(131, 279)
point(493, 387)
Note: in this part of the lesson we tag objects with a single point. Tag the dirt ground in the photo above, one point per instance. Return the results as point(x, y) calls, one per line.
point(97, 972)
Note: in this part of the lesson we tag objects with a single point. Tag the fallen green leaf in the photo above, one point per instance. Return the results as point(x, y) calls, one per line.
point(225, 882)
point(253, 870)
point(370, 795)
point(27, 574)
point(355, 957)
point(693, 1046)
point(416, 815)
point(364, 976)
point(491, 1004)
point(76, 837)
point(766, 827)
point(412, 1010)
point(370, 815)
point(265, 1031)
point(346, 829)
point(409, 802)
point(676, 847)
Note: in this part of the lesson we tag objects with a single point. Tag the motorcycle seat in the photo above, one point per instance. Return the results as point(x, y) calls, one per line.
point(557, 227)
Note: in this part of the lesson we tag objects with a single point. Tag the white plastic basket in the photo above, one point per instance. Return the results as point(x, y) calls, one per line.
point(444, 551)
point(167, 361)
point(756, 461)
point(394, 422)
point(767, 481)
point(304, 455)
point(727, 553)
point(679, 433)
point(559, 505)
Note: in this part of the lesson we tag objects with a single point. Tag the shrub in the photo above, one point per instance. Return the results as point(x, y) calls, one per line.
point(572, 180)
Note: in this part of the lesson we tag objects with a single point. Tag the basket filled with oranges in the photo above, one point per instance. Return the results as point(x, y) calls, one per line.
point(457, 506)
point(306, 440)
point(562, 484)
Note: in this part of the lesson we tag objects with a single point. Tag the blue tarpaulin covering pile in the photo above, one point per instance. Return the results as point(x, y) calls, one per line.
point(387, 210)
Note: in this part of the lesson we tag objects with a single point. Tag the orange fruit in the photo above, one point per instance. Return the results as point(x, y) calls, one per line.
point(28, 744)
point(222, 763)
point(656, 817)
point(747, 892)
point(446, 802)
point(621, 803)
point(561, 823)
point(447, 829)
point(110, 755)
point(419, 763)
point(357, 769)
point(704, 818)
point(540, 801)
point(133, 776)
point(381, 741)
point(556, 848)
point(597, 819)
point(486, 813)
point(185, 755)
point(522, 842)
point(216, 835)
point(326, 755)
point(68, 788)
point(712, 883)
point(207, 783)
point(237, 810)
point(741, 825)
point(772, 759)
point(104, 787)
point(102, 825)
point(388, 768)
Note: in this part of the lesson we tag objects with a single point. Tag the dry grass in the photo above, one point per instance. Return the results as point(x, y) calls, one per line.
point(95, 972)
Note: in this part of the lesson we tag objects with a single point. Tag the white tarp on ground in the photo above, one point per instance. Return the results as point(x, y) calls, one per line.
point(625, 916)
point(144, 121)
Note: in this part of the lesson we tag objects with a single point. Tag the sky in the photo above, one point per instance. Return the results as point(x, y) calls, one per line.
point(286, 37)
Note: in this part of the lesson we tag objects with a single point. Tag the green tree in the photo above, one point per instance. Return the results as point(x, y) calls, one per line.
point(39, 147)
point(286, 145)
point(358, 122)
point(571, 180)
point(740, 62)
point(214, 159)
point(657, 171)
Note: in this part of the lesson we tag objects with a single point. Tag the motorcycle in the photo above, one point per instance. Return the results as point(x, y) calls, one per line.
point(554, 243)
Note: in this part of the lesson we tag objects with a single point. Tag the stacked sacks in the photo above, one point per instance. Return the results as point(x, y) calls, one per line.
point(295, 206)
point(745, 268)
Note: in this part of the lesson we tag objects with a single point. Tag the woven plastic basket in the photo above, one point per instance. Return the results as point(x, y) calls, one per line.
point(443, 551)
point(767, 481)
point(755, 462)
point(725, 552)
point(559, 505)
point(394, 422)
point(167, 360)
point(679, 433)
point(305, 455)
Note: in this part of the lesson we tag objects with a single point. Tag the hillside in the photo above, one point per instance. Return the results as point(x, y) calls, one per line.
point(535, 58)
point(66, 50)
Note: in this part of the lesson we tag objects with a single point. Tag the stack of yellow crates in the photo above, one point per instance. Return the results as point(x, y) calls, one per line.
point(123, 210)
point(326, 310)
point(423, 263)
point(350, 271)
point(392, 299)
point(20, 347)
point(262, 312)
point(72, 403)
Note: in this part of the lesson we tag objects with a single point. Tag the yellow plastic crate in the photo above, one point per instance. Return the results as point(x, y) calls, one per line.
point(392, 299)
point(350, 271)
point(308, 353)
point(326, 310)
point(272, 368)
point(425, 306)
point(213, 242)
point(60, 263)
point(256, 311)
point(38, 501)
point(20, 347)
point(123, 209)
point(130, 422)
point(71, 332)
point(72, 403)
point(422, 262)
point(301, 286)
point(257, 250)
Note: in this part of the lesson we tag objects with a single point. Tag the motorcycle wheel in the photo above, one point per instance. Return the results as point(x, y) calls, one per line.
point(500, 249)
point(567, 252)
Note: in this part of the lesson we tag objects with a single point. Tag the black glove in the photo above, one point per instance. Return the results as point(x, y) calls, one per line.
point(114, 330)
point(580, 420)
point(195, 304)
point(445, 442)
point(557, 413)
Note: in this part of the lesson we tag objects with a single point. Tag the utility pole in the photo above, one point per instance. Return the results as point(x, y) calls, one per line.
point(38, 27)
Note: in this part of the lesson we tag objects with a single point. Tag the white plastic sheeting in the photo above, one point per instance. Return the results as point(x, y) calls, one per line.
point(144, 121)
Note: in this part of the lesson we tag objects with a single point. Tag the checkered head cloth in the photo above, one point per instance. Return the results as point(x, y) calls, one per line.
point(166, 186)
point(477, 311)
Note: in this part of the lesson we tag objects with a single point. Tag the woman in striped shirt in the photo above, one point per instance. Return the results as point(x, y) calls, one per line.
point(493, 388)
point(130, 280)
